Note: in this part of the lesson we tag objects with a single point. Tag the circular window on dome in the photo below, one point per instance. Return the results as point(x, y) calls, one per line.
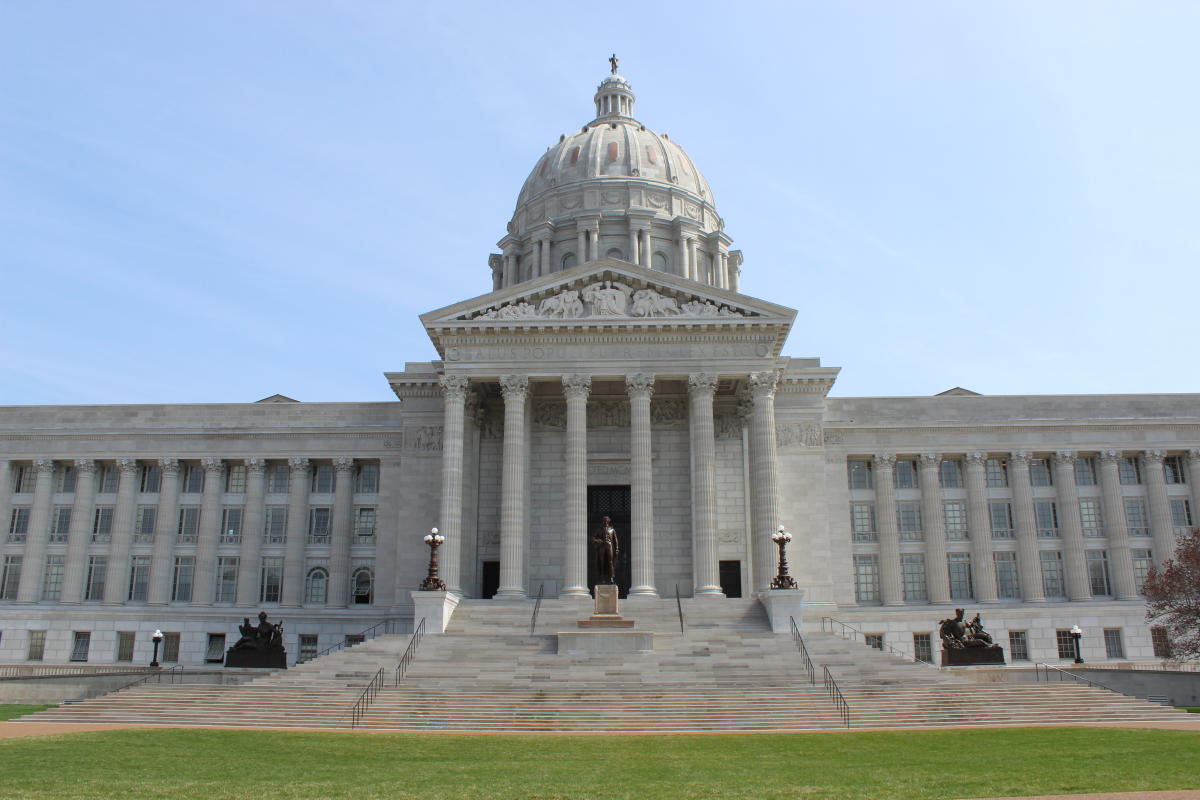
point(615, 253)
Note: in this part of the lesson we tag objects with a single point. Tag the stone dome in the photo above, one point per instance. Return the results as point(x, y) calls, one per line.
point(613, 188)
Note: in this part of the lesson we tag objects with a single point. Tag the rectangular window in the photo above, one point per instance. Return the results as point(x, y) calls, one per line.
point(873, 640)
point(10, 581)
point(235, 479)
point(923, 647)
point(37, 646)
point(227, 578)
point(866, 578)
point(60, 524)
point(862, 522)
point(1039, 472)
point(80, 646)
point(139, 578)
point(1181, 517)
point(170, 647)
point(1000, 517)
point(860, 475)
point(1045, 513)
point(1018, 646)
point(1053, 584)
point(189, 524)
point(18, 524)
point(1160, 640)
point(996, 473)
point(1135, 516)
point(961, 584)
point(912, 566)
point(1091, 516)
point(24, 480)
point(214, 651)
point(1142, 561)
point(318, 525)
point(143, 526)
point(151, 479)
point(308, 647)
point(125, 641)
point(1097, 567)
point(106, 481)
point(275, 524)
point(102, 523)
point(905, 473)
point(1173, 469)
point(52, 579)
point(908, 520)
point(1065, 642)
point(1130, 471)
point(322, 479)
point(1113, 646)
point(66, 479)
point(277, 479)
point(950, 473)
point(1008, 585)
point(192, 479)
point(231, 525)
point(96, 575)
point(367, 479)
point(181, 586)
point(364, 524)
point(272, 580)
point(955, 513)
point(353, 639)
point(1085, 471)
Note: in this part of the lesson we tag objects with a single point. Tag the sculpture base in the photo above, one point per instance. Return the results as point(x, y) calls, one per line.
point(606, 614)
point(256, 659)
point(604, 643)
point(972, 656)
point(605, 621)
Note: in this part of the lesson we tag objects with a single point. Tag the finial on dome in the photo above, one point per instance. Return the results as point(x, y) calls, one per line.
point(614, 97)
point(612, 63)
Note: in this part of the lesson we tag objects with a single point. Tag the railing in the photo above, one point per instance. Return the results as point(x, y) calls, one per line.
point(1059, 672)
point(16, 672)
point(835, 694)
point(410, 652)
point(679, 607)
point(175, 674)
point(855, 633)
point(537, 606)
point(1163, 666)
point(359, 709)
point(808, 664)
point(388, 625)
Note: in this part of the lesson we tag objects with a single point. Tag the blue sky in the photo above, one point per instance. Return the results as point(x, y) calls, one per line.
point(218, 201)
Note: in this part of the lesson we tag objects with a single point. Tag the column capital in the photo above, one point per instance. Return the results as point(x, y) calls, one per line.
point(931, 460)
point(639, 384)
point(762, 384)
point(577, 385)
point(884, 460)
point(44, 464)
point(1110, 456)
point(702, 383)
point(85, 466)
point(127, 465)
point(975, 458)
point(343, 464)
point(169, 466)
point(256, 465)
point(1019, 457)
point(514, 387)
point(454, 386)
point(298, 464)
point(1065, 458)
point(212, 465)
point(1153, 456)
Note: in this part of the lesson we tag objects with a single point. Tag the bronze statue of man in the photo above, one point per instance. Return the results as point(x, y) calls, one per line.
point(606, 548)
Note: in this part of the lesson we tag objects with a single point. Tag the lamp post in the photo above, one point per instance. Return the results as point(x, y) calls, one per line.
point(432, 582)
point(1077, 634)
point(782, 579)
point(157, 639)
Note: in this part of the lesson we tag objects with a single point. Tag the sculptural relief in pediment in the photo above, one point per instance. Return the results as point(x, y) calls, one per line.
point(608, 298)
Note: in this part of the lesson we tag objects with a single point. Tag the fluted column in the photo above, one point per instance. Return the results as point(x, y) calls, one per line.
point(693, 262)
point(253, 522)
point(981, 529)
point(723, 269)
point(633, 245)
point(1078, 587)
point(764, 478)
point(32, 567)
point(1028, 565)
point(644, 235)
point(6, 493)
point(512, 488)
point(684, 267)
point(1161, 525)
point(297, 533)
point(576, 388)
point(80, 531)
point(210, 531)
point(454, 391)
point(338, 595)
point(116, 589)
point(545, 269)
point(933, 520)
point(1120, 560)
point(510, 269)
point(581, 246)
point(1193, 478)
point(640, 389)
point(890, 583)
point(706, 575)
point(166, 523)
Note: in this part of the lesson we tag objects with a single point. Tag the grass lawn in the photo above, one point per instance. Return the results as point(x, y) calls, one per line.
point(264, 765)
point(11, 711)
point(1191, 709)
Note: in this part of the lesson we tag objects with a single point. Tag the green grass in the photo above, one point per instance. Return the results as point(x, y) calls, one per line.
point(1191, 709)
point(265, 765)
point(12, 711)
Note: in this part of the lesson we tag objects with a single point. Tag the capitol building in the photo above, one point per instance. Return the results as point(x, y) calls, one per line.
point(611, 368)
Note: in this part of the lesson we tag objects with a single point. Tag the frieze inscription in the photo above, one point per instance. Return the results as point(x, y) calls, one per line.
point(606, 352)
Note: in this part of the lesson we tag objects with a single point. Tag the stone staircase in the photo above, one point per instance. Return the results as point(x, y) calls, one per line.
point(726, 672)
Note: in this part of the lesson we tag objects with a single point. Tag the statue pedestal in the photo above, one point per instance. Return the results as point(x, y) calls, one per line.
point(257, 659)
point(972, 656)
point(783, 605)
point(606, 615)
point(435, 608)
point(605, 632)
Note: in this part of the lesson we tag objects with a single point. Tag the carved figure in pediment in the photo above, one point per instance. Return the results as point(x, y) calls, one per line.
point(699, 308)
point(649, 303)
point(521, 310)
point(565, 304)
point(608, 298)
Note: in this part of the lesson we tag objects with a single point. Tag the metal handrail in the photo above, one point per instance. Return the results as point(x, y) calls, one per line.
point(174, 672)
point(799, 640)
point(359, 709)
point(537, 606)
point(679, 607)
point(1038, 674)
point(882, 644)
point(15, 672)
point(410, 652)
point(386, 624)
point(839, 701)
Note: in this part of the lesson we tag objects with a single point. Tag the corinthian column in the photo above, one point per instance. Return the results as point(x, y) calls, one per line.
point(1028, 566)
point(297, 533)
point(32, 572)
point(343, 523)
point(981, 529)
point(166, 523)
point(1078, 587)
point(81, 529)
point(116, 589)
point(253, 522)
point(1193, 478)
point(707, 579)
point(1120, 559)
point(210, 531)
point(890, 584)
point(1161, 525)
point(640, 388)
point(454, 390)
point(512, 489)
point(764, 478)
point(576, 388)
point(934, 521)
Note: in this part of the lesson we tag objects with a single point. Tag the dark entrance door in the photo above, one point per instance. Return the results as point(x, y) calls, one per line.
point(612, 502)
point(731, 578)
point(489, 579)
